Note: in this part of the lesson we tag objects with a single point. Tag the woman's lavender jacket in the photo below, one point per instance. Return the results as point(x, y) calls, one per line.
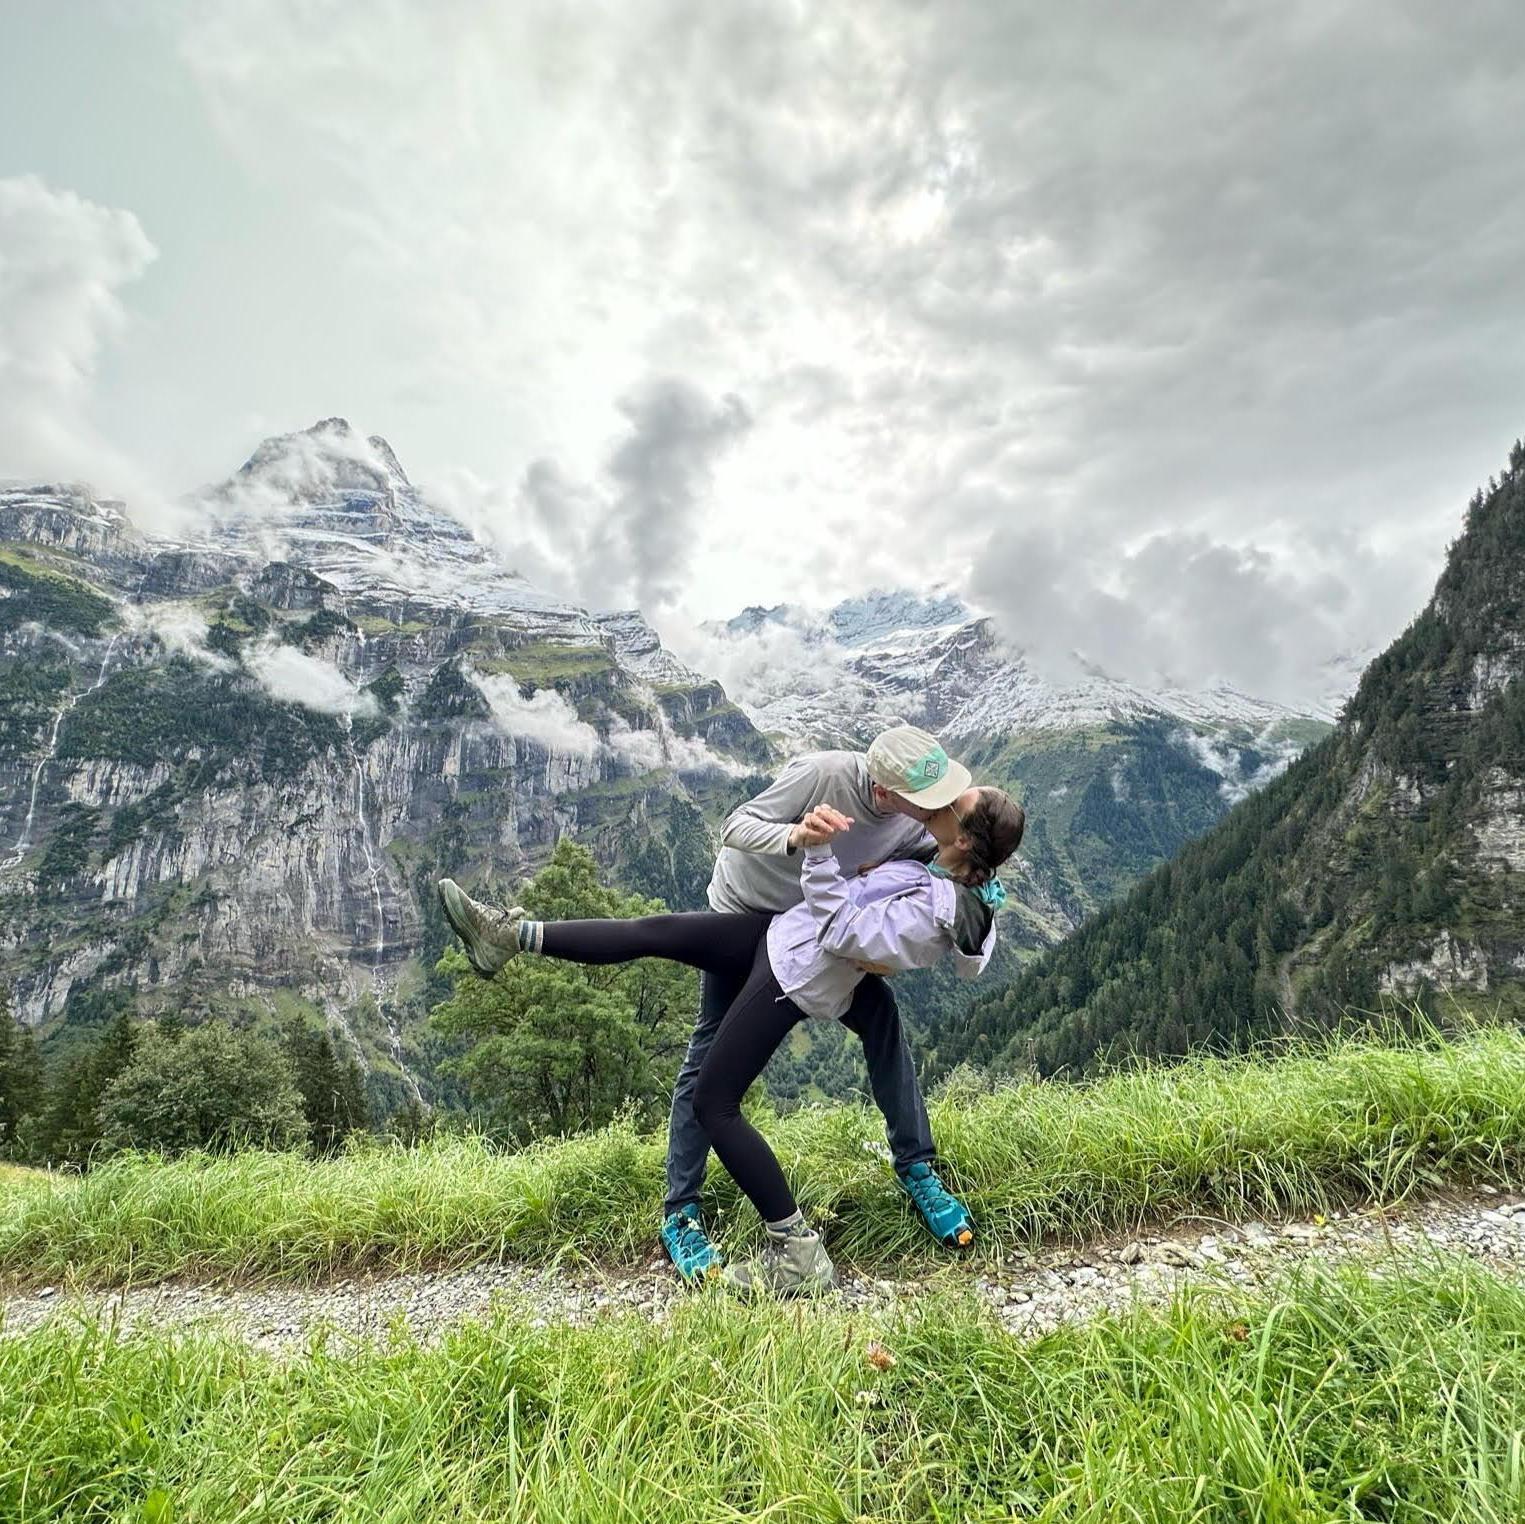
point(898, 916)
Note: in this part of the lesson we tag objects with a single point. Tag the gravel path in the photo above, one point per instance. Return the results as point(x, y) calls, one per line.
point(1031, 1293)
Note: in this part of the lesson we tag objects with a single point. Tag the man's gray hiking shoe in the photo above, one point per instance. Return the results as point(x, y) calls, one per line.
point(490, 935)
point(794, 1266)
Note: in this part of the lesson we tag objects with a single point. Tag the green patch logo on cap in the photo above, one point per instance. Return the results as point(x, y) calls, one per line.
point(924, 773)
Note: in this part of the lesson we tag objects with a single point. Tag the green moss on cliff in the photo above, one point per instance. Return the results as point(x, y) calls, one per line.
point(548, 663)
point(31, 692)
point(36, 592)
point(69, 847)
point(450, 696)
point(318, 628)
point(182, 712)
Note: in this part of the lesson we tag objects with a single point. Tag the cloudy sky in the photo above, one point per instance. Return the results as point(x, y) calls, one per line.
point(1174, 333)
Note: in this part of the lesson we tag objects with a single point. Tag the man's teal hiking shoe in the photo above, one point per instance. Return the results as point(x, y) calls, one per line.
point(940, 1209)
point(689, 1247)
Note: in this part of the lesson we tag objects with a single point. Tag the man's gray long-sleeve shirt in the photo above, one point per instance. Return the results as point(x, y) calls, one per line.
point(757, 871)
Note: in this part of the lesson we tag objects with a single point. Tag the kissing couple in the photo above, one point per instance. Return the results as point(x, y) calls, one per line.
point(847, 869)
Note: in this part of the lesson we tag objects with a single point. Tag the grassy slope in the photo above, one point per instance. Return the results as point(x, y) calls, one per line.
point(1301, 1131)
point(37, 588)
point(16, 1180)
point(1332, 1396)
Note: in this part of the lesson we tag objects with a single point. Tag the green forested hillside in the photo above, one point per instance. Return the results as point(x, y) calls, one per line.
point(1387, 860)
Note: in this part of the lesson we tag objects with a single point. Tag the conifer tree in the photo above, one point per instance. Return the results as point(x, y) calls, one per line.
point(20, 1079)
point(332, 1089)
point(71, 1129)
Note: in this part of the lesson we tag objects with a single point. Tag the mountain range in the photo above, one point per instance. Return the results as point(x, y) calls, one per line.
point(232, 762)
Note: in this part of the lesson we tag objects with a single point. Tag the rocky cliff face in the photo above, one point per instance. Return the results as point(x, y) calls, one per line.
point(230, 768)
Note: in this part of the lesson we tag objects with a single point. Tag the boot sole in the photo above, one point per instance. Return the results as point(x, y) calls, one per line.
point(962, 1238)
point(455, 915)
point(807, 1293)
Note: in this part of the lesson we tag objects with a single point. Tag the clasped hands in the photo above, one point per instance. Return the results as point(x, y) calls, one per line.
point(818, 827)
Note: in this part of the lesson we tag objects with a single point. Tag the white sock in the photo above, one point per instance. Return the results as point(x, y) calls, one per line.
point(787, 1227)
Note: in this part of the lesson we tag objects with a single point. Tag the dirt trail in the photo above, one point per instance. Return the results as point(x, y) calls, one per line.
point(1031, 1293)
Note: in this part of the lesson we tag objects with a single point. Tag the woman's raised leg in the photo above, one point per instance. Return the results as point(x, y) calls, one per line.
point(708, 940)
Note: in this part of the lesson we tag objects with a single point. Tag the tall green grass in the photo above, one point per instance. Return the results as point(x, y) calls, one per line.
point(1301, 1131)
point(1337, 1396)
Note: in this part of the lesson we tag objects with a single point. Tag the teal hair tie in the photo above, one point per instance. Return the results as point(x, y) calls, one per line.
point(992, 892)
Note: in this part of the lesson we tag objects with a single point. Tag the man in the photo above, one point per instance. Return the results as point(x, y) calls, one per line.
point(889, 793)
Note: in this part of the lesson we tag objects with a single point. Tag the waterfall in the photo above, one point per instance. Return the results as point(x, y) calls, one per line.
point(24, 841)
point(372, 866)
point(378, 951)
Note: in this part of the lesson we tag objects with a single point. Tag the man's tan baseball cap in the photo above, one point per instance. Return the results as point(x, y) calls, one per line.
point(912, 763)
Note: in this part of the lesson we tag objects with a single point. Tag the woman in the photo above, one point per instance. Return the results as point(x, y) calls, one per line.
point(805, 962)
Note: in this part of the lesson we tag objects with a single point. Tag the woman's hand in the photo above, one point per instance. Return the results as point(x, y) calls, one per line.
point(819, 826)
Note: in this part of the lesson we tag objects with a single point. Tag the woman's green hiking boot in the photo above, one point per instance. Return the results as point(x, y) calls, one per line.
point(791, 1264)
point(489, 935)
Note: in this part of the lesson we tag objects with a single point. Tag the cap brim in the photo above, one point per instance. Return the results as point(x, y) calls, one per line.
point(936, 795)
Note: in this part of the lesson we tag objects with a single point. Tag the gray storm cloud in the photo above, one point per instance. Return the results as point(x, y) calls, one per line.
point(1177, 610)
point(632, 541)
point(1099, 276)
point(662, 470)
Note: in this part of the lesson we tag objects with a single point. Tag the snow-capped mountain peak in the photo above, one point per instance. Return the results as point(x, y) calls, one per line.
point(329, 456)
point(886, 613)
point(835, 676)
point(877, 616)
point(339, 503)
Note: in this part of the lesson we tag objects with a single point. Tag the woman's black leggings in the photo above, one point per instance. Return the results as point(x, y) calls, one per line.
point(758, 1020)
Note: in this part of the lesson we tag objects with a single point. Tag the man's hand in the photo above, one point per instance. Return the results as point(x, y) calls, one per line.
point(818, 827)
point(882, 969)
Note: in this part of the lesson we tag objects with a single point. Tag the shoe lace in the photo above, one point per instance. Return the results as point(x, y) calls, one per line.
point(930, 1194)
point(689, 1236)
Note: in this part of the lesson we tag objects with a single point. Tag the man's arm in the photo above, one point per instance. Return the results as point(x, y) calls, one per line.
point(763, 824)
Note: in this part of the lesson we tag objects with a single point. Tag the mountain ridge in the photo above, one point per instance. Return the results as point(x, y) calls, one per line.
point(1385, 864)
point(235, 756)
point(231, 762)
